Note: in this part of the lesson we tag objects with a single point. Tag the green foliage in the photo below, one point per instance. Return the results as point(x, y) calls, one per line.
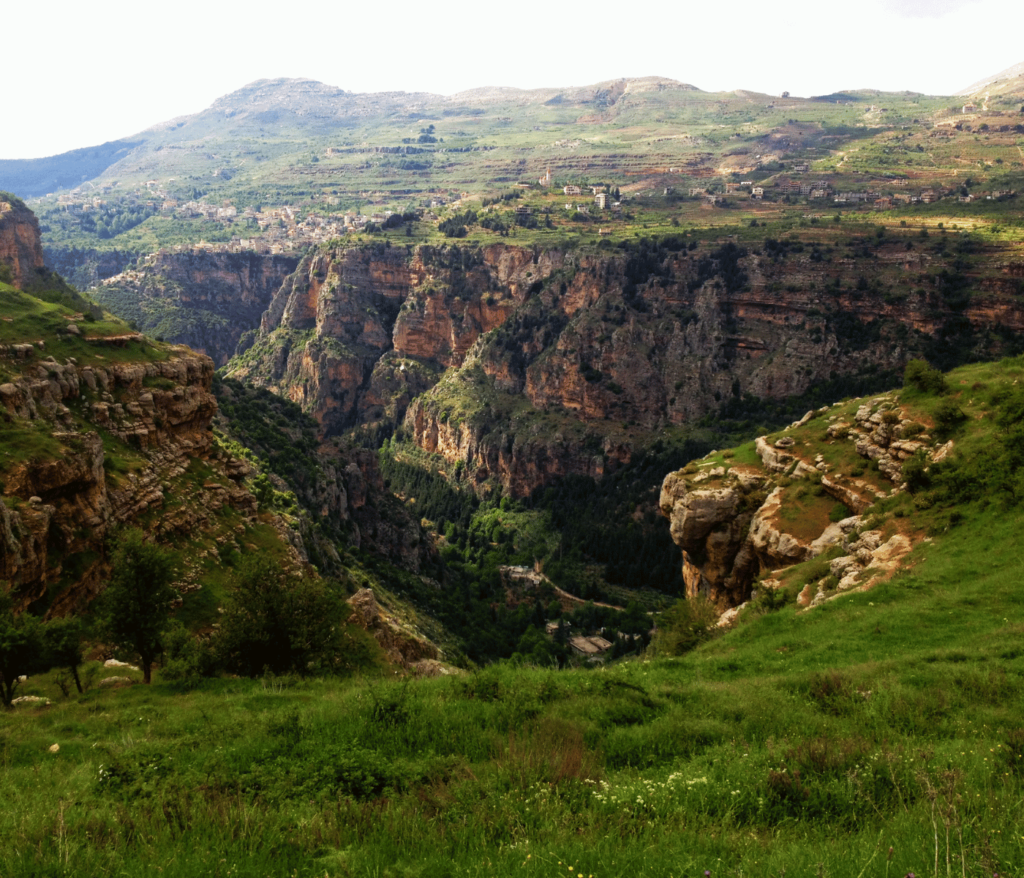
point(64, 645)
point(136, 604)
point(915, 472)
point(689, 622)
point(187, 659)
point(919, 375)
point(455, 226)
point(22, 648)
point(279, 623)
point(839, 512)
point(782, 744)
point(948, 417)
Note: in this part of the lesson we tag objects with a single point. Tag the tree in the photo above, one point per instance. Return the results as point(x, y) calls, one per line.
point(138, 597)
point(280, 623)
point(63, 639)
point(21, 648)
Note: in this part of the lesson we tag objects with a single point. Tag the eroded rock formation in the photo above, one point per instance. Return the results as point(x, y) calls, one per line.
point(206, 300)
point(62, 501)
point(601, 347)
point(735, 523)
point(21, 252)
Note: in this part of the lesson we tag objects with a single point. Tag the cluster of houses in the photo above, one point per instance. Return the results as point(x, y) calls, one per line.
point(823, 190)
point(284, 229)
point(602, 200)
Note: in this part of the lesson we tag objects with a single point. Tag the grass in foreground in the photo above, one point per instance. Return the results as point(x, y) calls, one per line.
point(809, 744)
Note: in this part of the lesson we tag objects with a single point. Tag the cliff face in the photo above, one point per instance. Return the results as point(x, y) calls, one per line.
point(339, 488)
point(619, 342)
point(355, 334)
point(20, 250)
point(85, 267)
point(203, 299)
point(59, 504)
point(736, 522)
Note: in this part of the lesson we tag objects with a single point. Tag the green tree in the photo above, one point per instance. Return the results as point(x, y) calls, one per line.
point(21, 648)
point(137, 600)
point(281, 623)
point(63, 638)
point(920, 375)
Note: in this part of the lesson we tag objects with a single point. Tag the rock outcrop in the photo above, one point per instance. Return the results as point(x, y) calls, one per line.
point(21, 252)
point(402, 644)
point(737, 523)
point(59, 504)
point(601, 346)
point(206, 300)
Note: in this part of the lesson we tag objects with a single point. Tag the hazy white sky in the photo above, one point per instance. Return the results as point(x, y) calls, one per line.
point(79, 74)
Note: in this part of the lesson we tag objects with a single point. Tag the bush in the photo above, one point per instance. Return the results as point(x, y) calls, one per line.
point(186, 659)
point(281, 623)
point(22, 650)
point(920, 375)
point(839, 512)
point(915, 472)
point(948, 417)
point(687, 624)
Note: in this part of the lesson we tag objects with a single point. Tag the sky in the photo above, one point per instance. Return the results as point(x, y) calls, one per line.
point(80, 74)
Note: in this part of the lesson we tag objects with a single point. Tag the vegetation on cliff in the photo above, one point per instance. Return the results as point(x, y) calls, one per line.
point(878, 733)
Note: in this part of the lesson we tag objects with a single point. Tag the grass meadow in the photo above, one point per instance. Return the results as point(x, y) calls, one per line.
point(878, 735)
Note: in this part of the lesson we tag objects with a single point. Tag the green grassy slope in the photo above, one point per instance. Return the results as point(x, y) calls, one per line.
point(880, 734)
point(291, 142)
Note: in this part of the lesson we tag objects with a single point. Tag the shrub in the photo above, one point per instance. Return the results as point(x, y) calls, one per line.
point(280, 623)
point(831, 692)
point(920, 375)
point(186, 659)
point(948, 417)
point(915, 472)
point(22, 650)
point(687, 624)
point(839, 512)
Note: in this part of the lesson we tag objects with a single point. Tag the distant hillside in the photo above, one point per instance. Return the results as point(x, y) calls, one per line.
point(30, 178)
point(1009, 80)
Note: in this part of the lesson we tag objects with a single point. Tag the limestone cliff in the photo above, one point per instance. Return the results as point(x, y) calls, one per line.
point(338, 485)
point(525, 363)
point(206, 300)
point(807, 495)
point(60, 503)
point(21, 252)
point(356, 334)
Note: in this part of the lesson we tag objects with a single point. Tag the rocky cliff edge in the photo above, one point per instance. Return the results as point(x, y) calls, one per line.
point(743, 518)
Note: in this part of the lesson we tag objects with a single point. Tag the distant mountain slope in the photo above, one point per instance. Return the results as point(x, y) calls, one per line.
point(301, 108)
point(32, 177)
point(1009, 80)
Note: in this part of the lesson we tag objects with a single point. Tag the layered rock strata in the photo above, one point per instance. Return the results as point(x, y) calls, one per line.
point(621, 343)
point(57, 506)
point(732, 524)
point(21, 252)
point(206, 300)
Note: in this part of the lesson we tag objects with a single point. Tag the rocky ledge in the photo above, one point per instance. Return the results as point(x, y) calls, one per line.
point(113, 445)
point(808, 491)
